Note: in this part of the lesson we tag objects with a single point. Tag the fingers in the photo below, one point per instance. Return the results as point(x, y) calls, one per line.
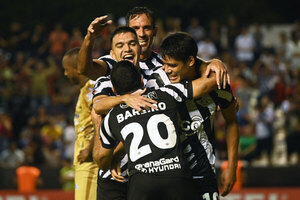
point(207, 71)
point(117, 176)
point(218, 79)
point(98, 24)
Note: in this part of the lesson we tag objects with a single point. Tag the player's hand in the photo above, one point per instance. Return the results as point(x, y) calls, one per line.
point(115, 170)
point(139, 102)
point(83, 155)
point(95, 28)
point(228, 179)
point(220, 69)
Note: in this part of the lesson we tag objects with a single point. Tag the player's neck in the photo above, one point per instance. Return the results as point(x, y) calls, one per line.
point(145, 55)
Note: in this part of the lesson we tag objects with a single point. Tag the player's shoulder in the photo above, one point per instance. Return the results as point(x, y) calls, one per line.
point(108, 60)
point(152, 62)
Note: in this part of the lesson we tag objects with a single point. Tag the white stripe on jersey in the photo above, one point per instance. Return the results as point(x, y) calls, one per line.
point(107, 130)
point(108, 57)
point(173, 93)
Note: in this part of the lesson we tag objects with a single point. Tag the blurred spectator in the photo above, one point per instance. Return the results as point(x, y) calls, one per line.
point(207, 49)
point(58, 41)
point(39, 41)
point(232, 33)
point(215, 34)
point(69, 136)
point(248, 144)
point(197, 31)
point(293, 52)
point(52, 155)
point(245, 47)
point(39, 73)
point(76, 38)
point(258, 38)
point(264, 129)
point(281, 47)
point(12, 157)
point(17, 38)
point(292, 125)
point(5, 131)
point(67, 175)
point(51, 133)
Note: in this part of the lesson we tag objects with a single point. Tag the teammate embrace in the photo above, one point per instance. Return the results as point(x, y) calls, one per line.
point(160, 166)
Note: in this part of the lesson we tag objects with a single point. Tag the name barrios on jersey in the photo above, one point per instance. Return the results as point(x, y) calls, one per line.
point(130, 113)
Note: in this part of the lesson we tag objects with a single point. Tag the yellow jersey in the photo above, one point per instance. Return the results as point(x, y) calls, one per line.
point(83, 124)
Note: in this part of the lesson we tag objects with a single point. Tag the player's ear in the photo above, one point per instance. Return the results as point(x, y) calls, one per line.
point(191, 61)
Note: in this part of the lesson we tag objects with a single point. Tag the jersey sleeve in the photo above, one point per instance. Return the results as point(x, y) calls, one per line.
point(157, 79)
point(107, 138)
point(223, 97)
point(103, 86)
point(109, 62)
point(179, 91)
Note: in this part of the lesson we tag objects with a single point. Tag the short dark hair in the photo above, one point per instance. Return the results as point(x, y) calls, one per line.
point(122, 29)
point(179, 45)
point(138, 11)
point(73, 55)
point(125, 77)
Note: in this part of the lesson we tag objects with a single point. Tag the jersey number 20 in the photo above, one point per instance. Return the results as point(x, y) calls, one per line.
point(136, 152)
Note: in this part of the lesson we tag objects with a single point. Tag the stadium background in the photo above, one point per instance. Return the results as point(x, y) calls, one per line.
point(38, 120)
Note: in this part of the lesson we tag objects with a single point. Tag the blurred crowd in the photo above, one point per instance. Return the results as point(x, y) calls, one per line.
point(37, 102)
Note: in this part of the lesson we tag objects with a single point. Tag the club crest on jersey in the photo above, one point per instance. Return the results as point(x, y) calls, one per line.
point(123, 106)
point(151, 95)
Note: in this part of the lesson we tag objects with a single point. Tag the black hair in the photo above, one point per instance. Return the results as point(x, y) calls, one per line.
point(73, 55)
point(179, 46)
point(125, 77)
point(122, 29)
point(138, 11)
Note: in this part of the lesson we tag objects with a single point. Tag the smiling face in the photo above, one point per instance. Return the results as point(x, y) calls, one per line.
point(145, 30)
point(175, 69)
point(125, 46)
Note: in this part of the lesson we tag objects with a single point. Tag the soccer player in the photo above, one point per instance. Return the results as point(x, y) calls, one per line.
point(179, 52)
point(150, 137)
point(86, 170)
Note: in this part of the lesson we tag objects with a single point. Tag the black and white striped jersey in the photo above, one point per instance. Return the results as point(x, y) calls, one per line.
point(197, 125)
point(146, 66)
point(103, 86)
point(152, 78)
point(151, 137)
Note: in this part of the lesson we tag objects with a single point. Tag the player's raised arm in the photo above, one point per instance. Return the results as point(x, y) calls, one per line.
point(92, 68)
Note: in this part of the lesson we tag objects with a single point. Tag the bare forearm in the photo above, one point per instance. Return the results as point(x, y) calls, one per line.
point(104, 104)
point(203, 85)
point(97, 143)
point(85, 60)
point(232, 138)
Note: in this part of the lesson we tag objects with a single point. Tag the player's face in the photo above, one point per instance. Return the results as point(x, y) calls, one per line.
point(175, 69)
point(145, 31)
point(70, 71)
point(125, 46)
